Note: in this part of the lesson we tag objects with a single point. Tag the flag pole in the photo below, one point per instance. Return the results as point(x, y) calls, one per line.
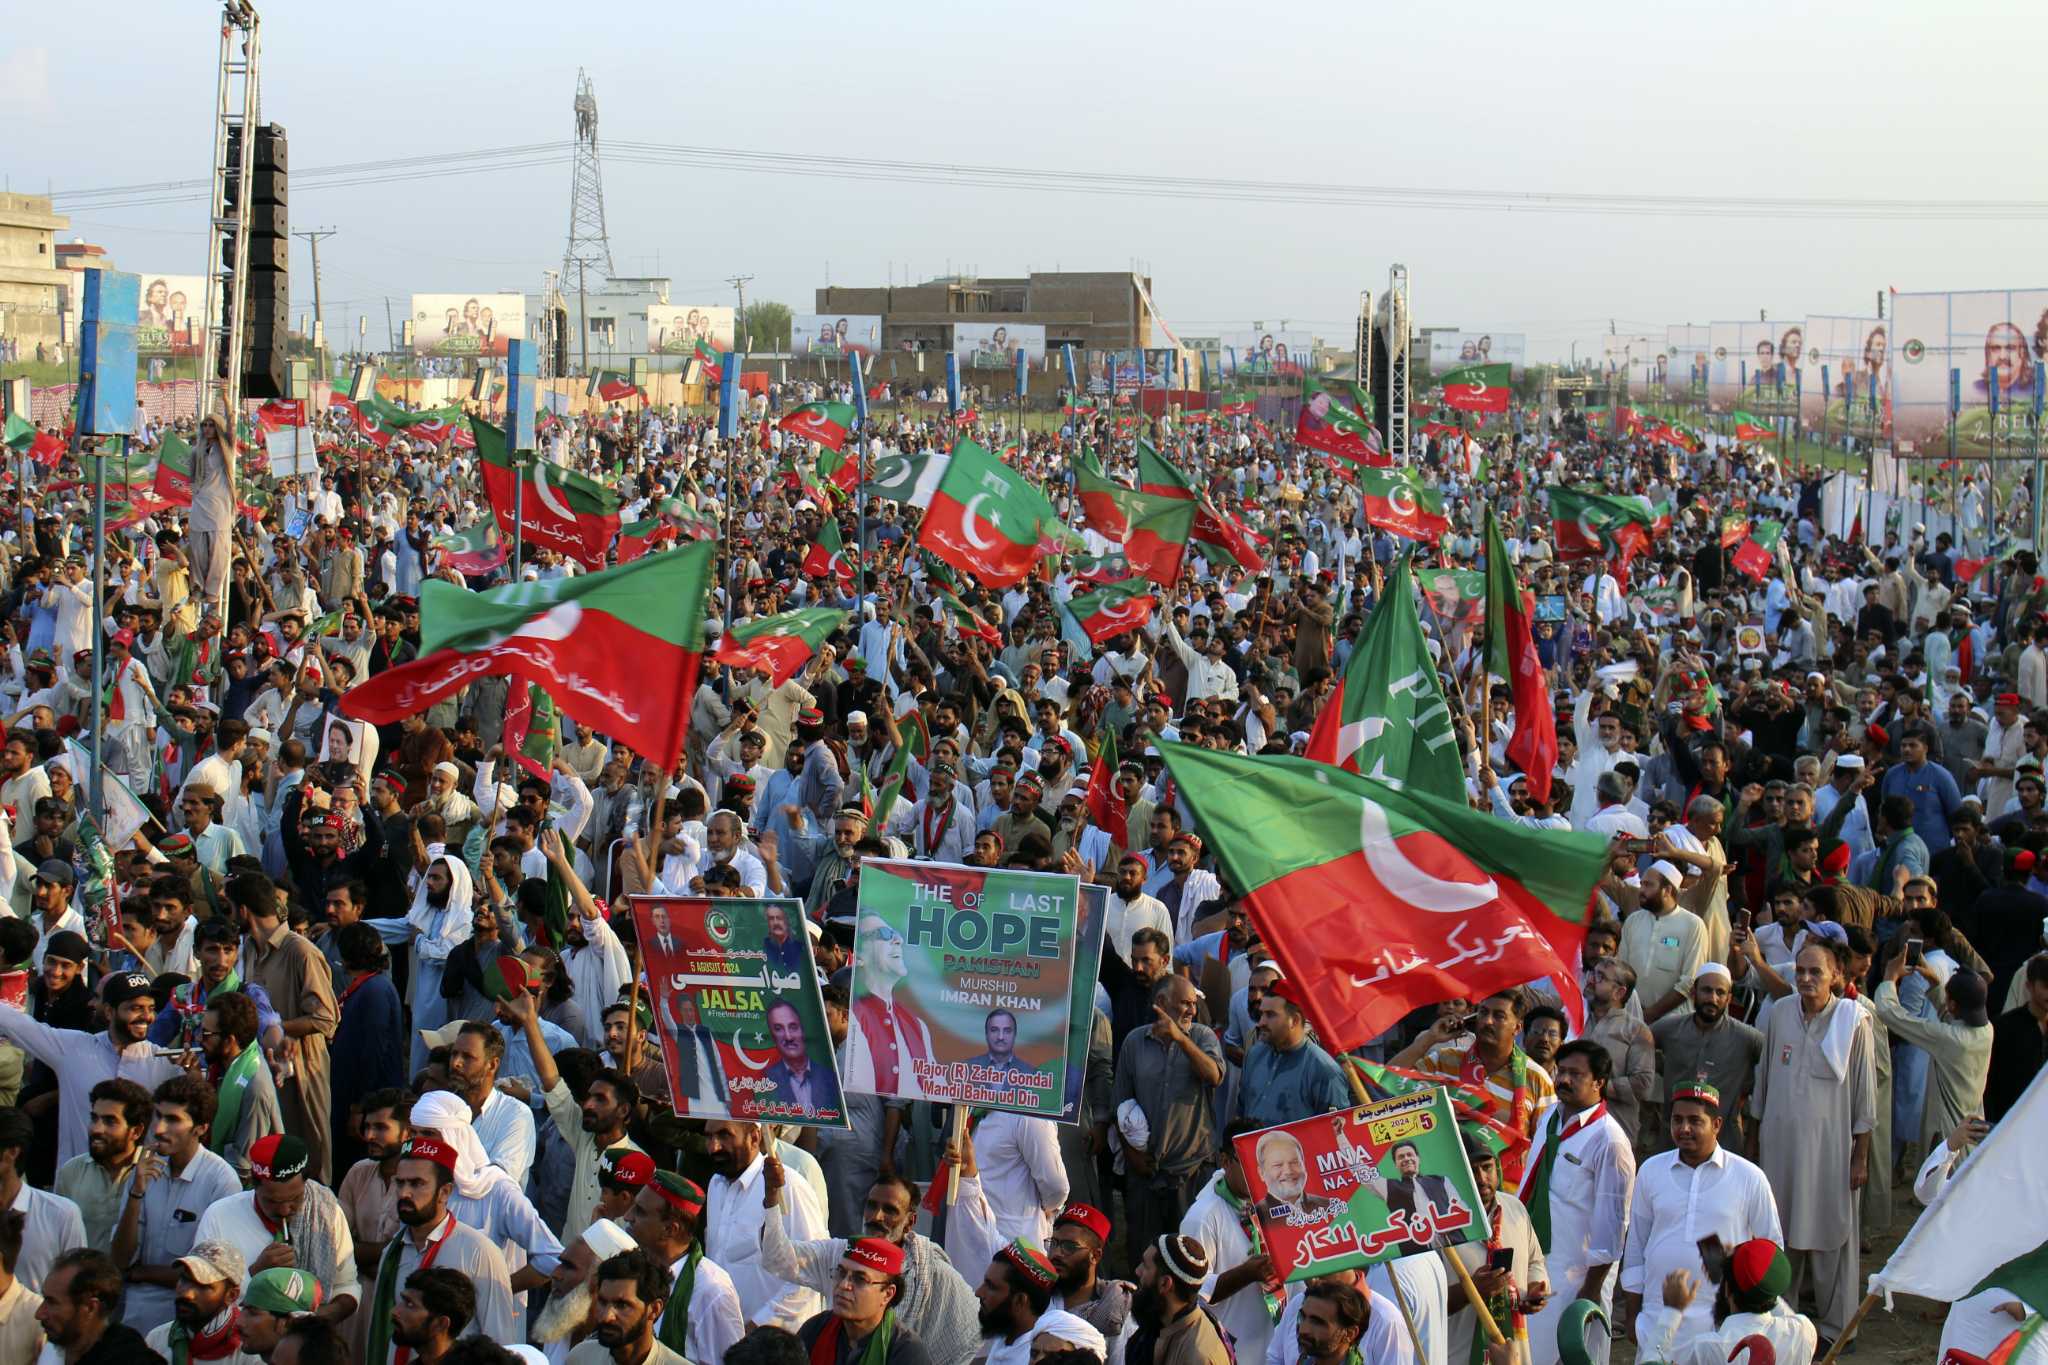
point(1849, 1332)
point(1394, 1280)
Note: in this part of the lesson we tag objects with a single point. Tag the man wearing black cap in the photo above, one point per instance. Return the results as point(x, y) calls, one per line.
point(51, 901)
point(82, 1060)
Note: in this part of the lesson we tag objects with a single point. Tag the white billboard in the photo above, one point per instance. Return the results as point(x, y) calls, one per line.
point(1840, 359)
point(1449, 350)
point(171, 319)
point(829, 334)
point(466, 324)
point(1266, 351)
point(1995, 341)
point(676, 328)
point(994, 345)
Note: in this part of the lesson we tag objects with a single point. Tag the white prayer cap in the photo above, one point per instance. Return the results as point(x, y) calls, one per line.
point(856, 718)
point(605, 1238)
point(1708, 969)
point(1664, 868)
point(449, 768)
point(1071, 1330)
point(1852, 762)
point(261, 736)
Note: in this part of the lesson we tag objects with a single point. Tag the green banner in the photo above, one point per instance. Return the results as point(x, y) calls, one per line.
point(963, 986)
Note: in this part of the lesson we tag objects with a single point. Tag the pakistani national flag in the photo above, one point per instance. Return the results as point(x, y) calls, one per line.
point(174, 472)
point(1395, 505)
point(779, 645)
point(1114, 609)
point(911, 479)
point(620, 648)
point(1511, 656)
point(560, 510)
point(533, 729)
point(1586, 523)
point(472, 553)
point(1377, 899)
point(1388, 718)
point(826, 556)
point(1478, 388)
point(1984, 1229)
point(1159, 476)
point(825, 423)
point(1156, 541)
point(985, 518)
point(1325, 424)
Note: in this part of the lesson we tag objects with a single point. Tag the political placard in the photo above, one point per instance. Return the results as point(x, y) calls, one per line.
point(963, 985)
point(1090, 923)
point(738, 1011)
point(1359, 1186)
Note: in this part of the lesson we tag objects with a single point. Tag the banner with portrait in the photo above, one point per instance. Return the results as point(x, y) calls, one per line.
point(1689, 351)
point(1638, 355)
point(738, 1011)
point(1266, 352)
point(676, 328)
point(1090, 923)
point(963, 985)
point(171, 316)
point(466, 324)
point(1754, 366)
point(994, 345)
point(1359, 1186)
point(1850, 350)
point(1452, 350)
point(1996, 338)
point(835, 334)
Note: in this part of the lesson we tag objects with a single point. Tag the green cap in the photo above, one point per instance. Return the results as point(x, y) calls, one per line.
point(284, 1290)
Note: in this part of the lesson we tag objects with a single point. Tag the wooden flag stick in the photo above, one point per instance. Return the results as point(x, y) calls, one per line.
point(1849, 1332)
point(1358, 1093)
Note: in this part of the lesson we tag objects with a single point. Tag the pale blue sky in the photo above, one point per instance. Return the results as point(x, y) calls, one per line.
point(1888, 99)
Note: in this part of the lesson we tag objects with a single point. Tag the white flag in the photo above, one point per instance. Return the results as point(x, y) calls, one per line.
point(1986, 1225)
point(125, 814)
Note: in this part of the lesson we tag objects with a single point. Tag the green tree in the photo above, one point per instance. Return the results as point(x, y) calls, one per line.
point(765, 326)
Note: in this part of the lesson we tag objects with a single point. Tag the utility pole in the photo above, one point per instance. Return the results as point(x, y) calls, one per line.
point(739, 283)
point(313, 236)
point(390, 328)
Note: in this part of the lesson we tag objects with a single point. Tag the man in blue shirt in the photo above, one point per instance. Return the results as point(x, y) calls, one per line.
point(1930, 787)
point(1286, 1076)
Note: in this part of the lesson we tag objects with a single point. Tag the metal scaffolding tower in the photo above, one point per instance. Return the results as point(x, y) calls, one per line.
point(1394, 324)
point(238, 108)
point(590, 248)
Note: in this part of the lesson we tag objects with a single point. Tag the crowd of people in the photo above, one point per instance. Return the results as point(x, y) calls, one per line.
point(304, 1073)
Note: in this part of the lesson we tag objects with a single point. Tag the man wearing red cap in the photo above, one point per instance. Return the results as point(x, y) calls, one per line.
point(1014, 1293)
point(430, 1236)
point(1748, 1293)
point(861, 1328)
point(288, 1220)
point(701, 1316)
point(2005, 744)
point(1079, 1236)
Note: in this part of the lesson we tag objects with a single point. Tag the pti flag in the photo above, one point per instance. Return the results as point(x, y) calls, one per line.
point(1401, 508)
point(825, 423)
point(1511, 655)
point(1107, 809)
point(738, 1009)
point(962, 985)
point(1325, 424)
point(827, 554)
point(1378, 900)
point(174, 472)
point(472, 553)
point(1157, 540)
point(778, 645)
point(1158, 476)
point(1105, 503)
point(1215, 527)
point(620, 648)
point(533, 729)
point(714, 370)
point(1361, 1186)
point(1477, 388)
point(985, 518)
point(1389, 719)
point(1585, 523)
point(1114, 608)
point(559, 510)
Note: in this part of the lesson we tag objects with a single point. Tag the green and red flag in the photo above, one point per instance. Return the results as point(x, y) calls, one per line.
point(1238, 403)
point(779, 645)
point(533, 728)
point(1156, 544)
point(1107, 811)
point(1749, 428)
point(714, 368)
point(1214, 526)
point(1478, 388)
point(1114, 609)
point(1105, 568)
point(644, 538)
point(174, 472)
point(825, 423)
point(839, 469)
point(1751, 558)
point(475, 552)
point(612, 385)
point(911, 479)
point(560, 510)
point(1105, 503)
point(1511, 656)
point(23, 437)
point(19, 434)
point(966, 622)
point(1474, 1105)
point(1158, 476)
point(1378, 900)
point(1767, 533)
point(1327, 425)
point(1388, 718)
point(915, 743)
point(826, 556)
point(1402, 508)
point(986, 519)
point(1585, 523)
point(1734, 530)
point(622, 646)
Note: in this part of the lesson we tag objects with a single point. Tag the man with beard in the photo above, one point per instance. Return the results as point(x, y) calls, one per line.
point(504, 1125)
point(630, 1290)
point(862, 1327)
point(1493, 1061)
point(289, 1222)
point(701, 1316)
point(206, 1320)
point(1014, 1293)
point(176, 1180)
point(81, 1310)
point(724, 840)
point(248, 1108)
point(1130, 909)
point(1711, 1045)
point(734, 1226)
point(1411, 1192)
point(83, 1060)
point(1330, 1324)
point(592, 1127)
point(301, 987)
point(1174, 1325)
point(96, 1181)
point(366, 1196)
point(1079, 1236)
point(932, 1302)
point(566, 1320)
point(432, 1237)
point(432, 1312)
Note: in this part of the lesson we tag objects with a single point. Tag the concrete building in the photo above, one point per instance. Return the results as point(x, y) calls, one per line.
point(1104, 310)
point(31, 280)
